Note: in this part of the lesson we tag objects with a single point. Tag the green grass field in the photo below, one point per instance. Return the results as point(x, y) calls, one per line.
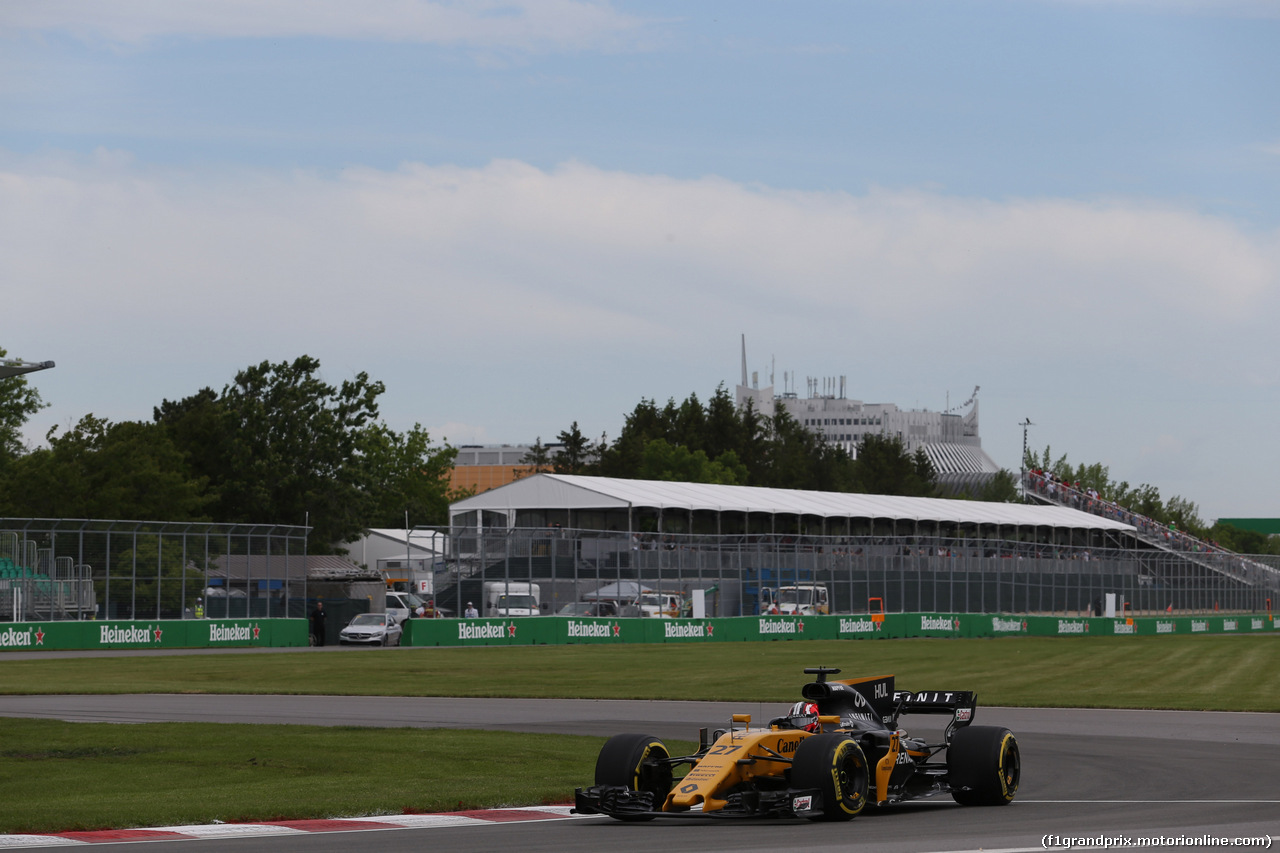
point(1196, 673)
point(57, 776)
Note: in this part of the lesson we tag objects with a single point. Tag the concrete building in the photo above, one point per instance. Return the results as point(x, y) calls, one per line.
point(950, 439)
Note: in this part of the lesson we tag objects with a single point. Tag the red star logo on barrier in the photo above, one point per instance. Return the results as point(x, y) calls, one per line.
point(1024, 624)
point(617, 629)
point(957, 623)
point(711, 629)
point(157, 632)
point(1086, 627)
point(39, 636)
point(257, 632)
point(800, 625)
point(511, 630)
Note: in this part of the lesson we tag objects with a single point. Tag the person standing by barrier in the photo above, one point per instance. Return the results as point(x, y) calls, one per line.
point(317, 624)
point(199, 608)
point(471, 612)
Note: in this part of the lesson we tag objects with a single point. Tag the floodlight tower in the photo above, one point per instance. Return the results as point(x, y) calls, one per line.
point(1026, 422)
point(17, 367)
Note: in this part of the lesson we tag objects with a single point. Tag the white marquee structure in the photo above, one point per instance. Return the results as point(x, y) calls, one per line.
point(605, 503)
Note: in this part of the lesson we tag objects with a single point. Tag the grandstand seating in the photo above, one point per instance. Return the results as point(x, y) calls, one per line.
point(1045, 489)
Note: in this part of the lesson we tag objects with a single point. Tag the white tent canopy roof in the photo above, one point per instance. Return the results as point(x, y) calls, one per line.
point(621, 590)
point(567, 491)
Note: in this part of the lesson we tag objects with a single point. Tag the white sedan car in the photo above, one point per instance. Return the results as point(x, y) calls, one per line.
point(372, 629)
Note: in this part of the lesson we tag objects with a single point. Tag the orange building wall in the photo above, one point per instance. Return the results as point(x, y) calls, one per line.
point(482, 478)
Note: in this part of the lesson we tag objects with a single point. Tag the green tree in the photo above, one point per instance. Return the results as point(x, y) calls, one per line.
point(1243, 541)
point(201, 426)
point(538, 459)
point(575, 454)
point(280, 445)
point(1001, 488)
point(18, 402)
point(624, 456)
point(292, 439)
point(127, 470)
point(167, 581)
point(1143, 499)
point(673, 463)
point(884, 467)
point(724, 427)
point(689, 424)
point(402, 473)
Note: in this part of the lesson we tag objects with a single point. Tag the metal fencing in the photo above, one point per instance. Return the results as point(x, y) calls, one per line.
point(906, 574)
point(53, 569)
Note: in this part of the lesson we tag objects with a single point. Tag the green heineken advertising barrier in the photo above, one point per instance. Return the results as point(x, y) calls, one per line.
point(556, 630)
point(158, 634)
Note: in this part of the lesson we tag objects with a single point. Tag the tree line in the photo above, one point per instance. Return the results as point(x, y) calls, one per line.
point(277, 445)
point(718, 442)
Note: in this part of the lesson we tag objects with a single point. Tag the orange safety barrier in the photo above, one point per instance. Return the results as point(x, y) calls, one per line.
point(876, 615)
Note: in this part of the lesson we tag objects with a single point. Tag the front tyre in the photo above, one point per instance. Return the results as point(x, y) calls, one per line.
point(835, 765)
point(636, 762)
point(986, 762)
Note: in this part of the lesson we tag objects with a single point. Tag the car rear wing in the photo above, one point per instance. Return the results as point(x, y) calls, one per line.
point(962, 705)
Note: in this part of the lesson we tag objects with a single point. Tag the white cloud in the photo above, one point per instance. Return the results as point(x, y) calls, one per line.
point(506, 301)
point(488, 24)
point(1215, 8)
point(602, 255)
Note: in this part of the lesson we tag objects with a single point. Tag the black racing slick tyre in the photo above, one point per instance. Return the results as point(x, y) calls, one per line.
point(985, 762)
point(635, 761)
point(835, 765)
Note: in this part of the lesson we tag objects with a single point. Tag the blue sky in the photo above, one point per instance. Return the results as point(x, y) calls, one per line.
point(522, 215)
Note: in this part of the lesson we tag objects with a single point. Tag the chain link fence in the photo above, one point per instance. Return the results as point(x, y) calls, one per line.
point(69, 569)
point(741, 574)
point(52, 569)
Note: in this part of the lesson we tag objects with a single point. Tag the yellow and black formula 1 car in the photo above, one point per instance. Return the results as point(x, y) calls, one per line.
point(837, 751)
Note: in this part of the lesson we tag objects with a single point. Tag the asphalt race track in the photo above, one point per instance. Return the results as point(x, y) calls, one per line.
point(1086, 773)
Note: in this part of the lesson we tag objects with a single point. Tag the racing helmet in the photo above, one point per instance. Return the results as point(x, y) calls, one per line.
point(805, 715)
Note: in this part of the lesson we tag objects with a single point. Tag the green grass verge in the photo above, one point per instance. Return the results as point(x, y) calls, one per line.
point(1194, 673)
point(57, 777)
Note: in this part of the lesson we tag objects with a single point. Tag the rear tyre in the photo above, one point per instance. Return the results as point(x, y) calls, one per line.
point(835, 765)
point(985, 760)
point(632, 761)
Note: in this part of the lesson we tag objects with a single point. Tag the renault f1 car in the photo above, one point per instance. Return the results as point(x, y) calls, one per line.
point(836, 752)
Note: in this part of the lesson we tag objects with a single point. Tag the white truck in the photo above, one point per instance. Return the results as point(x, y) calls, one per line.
point(806, 599)
point(662, 605)
point(511, 598)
